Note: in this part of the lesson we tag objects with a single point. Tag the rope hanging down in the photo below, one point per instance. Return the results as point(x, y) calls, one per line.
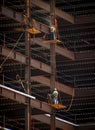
point(71, 102)
point(73, 94)
point(72, 99)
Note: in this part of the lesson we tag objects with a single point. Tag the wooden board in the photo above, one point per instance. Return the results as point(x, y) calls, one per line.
point(33, 31)
point(58, 106)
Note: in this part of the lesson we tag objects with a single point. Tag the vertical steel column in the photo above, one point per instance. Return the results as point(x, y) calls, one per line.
point(53, 63)
point(28, 69)
point(4, 121)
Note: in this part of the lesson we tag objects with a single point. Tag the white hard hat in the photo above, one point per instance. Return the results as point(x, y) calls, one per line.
point(55, 89)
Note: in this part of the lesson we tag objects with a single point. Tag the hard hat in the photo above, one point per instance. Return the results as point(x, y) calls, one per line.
point(52, 28)
point(55, 89)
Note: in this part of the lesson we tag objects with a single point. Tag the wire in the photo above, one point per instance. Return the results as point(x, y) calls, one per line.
point(71, 102)
point(11, 50)
point(73, 94)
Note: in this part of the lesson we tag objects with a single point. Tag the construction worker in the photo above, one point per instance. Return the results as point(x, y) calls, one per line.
point(54, 30)
point(53, 33)
point(55, 96)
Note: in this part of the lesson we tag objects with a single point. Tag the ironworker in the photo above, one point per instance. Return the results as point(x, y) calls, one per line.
point(53, 33)
point(55, 96)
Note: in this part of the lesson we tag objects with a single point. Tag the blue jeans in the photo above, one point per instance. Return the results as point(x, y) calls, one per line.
point(55, 100)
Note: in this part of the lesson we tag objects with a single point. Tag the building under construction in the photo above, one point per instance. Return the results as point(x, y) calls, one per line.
point(47, 46)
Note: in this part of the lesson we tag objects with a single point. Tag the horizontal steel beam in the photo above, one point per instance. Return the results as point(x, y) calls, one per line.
point(85, 19)
point(42, 27)
point(46, 81)
point(16, 56)
point(18, 17)
point(59, 50)
point(85, 55)
point(58, 12)
point(62, 51)
point(21, 18)
point(11, 14)
point(34, 63)
point(23, 98)
point(85, 92)
point(59, 124)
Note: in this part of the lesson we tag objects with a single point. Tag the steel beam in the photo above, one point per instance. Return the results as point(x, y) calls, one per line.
point(18, 17)
point(52, 81)
point(85, 19)
point(84, 92)
point(42, 27)
point(52, 64)
point(41, 66)
point(22, 98)
point(16, 56)
point(85, 55)
point(36, 64)
point(59, 50)
point(11, 14)
point(39, 26)
point(62, 51)
point(58, 12)
point(46, 81)
point(28, 68)
point(59, 124)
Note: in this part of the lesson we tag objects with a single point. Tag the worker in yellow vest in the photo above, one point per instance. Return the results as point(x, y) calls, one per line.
point(55, 96)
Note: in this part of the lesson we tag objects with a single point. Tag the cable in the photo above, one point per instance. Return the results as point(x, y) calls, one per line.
point(71, 102)
point(11, 50)
point(73, 94)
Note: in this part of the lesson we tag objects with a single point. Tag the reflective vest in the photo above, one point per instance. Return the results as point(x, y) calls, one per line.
point(55, 93)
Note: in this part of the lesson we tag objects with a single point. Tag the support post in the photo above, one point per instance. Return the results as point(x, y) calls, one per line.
point(27, 69)
point(4, 121)
point(53, 63)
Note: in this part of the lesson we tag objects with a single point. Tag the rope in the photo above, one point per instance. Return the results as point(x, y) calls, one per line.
point(70, 105)
point(73, 93)
point(71, 102)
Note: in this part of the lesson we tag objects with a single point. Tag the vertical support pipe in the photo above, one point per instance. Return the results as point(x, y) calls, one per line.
point(4, 39)
point(52, 81)
point(3, 79)
point(53, 63)
point(27, 69)
point(4, 121)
